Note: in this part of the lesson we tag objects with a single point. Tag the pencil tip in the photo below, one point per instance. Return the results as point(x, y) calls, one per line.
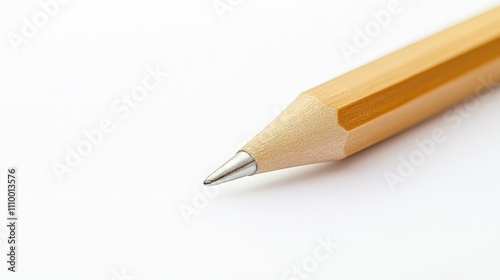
point(240, 165)
point(207, 182)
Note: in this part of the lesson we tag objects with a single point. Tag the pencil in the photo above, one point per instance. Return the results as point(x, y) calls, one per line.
point(360, 108)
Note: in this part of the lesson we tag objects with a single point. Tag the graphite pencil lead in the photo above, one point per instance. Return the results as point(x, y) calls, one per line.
point(240, 165)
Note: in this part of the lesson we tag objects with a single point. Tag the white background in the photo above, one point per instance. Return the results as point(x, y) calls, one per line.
point(117, 214)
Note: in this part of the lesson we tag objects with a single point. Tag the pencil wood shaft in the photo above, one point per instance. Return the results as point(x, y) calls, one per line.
point(382, 98)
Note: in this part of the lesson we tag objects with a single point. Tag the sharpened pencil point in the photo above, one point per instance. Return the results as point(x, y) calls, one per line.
point(241, 165)
point(207, 182)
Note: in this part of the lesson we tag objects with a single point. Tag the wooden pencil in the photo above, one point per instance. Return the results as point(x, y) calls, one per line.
point(360, 108)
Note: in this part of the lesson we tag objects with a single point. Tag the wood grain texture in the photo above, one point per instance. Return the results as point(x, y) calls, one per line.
point(360, 108)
